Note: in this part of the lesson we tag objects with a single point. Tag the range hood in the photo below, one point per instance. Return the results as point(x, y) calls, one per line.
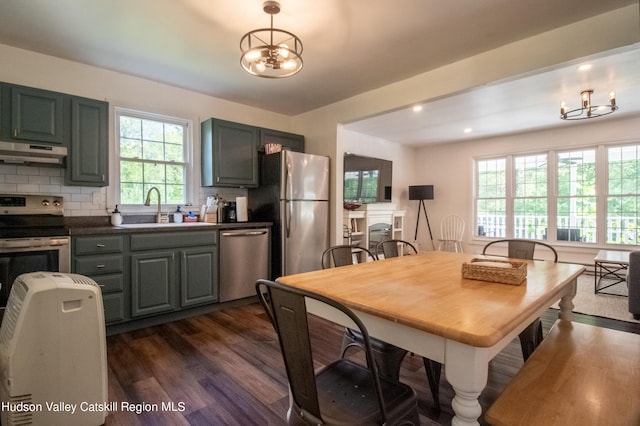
point(25, 153)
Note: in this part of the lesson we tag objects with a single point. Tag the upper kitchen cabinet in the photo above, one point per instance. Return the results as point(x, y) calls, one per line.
point(36, 115)
point(286, 140)
point(229, 154)
point(87, 163)
point(41, 117)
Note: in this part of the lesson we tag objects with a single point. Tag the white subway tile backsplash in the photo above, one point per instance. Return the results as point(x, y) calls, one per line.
point(25, 170)
point(80, 200)
point(7, 169)
point(50, 189)
point(16, 179)
point(40, 180)
point(24, 188)
point(81, 197)
point(49, 171)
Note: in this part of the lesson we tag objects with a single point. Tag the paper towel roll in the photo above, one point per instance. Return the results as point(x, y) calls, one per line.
point(241, 209)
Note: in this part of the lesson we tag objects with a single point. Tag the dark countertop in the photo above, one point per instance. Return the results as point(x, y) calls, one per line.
point(101, 225)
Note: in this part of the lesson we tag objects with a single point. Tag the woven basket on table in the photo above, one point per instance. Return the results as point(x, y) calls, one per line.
point(495, 270)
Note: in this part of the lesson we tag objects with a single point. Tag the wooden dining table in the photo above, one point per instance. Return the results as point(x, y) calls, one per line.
point(421, 303)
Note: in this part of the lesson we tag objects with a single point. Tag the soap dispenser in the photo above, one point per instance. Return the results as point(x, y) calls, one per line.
point(116, 217)
point(177, 216)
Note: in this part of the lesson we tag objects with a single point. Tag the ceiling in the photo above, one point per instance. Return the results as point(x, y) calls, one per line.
point(350, 47)
point(515, 106)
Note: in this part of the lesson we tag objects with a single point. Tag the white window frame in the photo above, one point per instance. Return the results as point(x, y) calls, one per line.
point(552, 193)
point(190, 171)
point(606, 194)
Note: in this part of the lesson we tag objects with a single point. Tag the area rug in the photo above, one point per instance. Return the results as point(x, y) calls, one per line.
point(602, 305)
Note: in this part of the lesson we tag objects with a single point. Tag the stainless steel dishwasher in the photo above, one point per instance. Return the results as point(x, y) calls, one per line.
point(244, 258)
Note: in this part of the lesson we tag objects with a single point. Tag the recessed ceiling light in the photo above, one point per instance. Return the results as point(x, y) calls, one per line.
point(468, 130)
point(584, 67)
point(417, 108)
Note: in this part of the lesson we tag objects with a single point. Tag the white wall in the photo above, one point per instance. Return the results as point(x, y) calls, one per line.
point(450, 168)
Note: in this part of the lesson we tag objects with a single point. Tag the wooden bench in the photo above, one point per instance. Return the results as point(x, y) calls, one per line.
point(579, 375)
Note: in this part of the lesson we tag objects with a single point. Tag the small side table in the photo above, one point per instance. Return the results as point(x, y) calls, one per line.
point(610, 265)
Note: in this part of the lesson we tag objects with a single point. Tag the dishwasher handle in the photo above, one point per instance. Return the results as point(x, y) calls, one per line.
point(243, 234)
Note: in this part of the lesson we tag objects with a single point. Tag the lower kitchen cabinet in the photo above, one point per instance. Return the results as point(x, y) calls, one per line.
point(114, 308)
point(186, 266)
point(102, 258)
point(198, 276)
point(152, 283)
point(145, 274)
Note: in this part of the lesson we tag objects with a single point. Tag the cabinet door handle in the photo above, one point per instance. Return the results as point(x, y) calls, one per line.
point(99, 266)
point(99, 245)
point(15, 133)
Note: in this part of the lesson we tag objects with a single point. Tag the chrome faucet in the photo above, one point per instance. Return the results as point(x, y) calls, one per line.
point(147, 202)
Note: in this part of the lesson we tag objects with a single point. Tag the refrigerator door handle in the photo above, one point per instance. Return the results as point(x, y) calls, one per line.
point(288, 213)
point(289, 189)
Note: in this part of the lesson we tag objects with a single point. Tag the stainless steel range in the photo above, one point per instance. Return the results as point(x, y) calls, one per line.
point(32, 238)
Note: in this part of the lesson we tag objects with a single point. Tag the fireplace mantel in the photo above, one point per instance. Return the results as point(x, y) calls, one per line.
point(357, 224)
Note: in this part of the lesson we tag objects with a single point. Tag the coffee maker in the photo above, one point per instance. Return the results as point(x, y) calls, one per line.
point(229, 212)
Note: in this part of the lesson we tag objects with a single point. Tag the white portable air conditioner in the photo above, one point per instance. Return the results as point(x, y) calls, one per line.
point(53, 360)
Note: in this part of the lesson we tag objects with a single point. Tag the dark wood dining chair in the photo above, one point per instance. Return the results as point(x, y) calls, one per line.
point(531, 336)
point(343, 392)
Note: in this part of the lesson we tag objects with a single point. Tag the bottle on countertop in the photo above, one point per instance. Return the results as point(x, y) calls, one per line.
point(177, 216)
point(116, 217)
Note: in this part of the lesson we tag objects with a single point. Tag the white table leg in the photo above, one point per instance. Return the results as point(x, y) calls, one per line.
point(466, 369)
point(566, 302)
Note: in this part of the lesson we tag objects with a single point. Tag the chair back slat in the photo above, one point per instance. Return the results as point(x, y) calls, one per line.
point(521, 249)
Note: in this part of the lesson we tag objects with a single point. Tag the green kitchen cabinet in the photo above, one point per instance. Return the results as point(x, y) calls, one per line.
point(41, 117)
point(290, 141)
point(36, 115)
point(153, 282)
point(147, 274)
point(229, 154)
point(171, 271)
point(198, 275)
point(88, 160)
point(103, 259)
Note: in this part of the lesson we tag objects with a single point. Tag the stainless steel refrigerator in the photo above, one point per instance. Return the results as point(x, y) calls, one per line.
point(294, 195)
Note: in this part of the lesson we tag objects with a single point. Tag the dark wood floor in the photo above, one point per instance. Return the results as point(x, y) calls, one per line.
point(225, 368)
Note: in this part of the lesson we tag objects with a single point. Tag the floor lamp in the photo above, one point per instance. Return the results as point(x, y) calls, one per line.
point(421, 193)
